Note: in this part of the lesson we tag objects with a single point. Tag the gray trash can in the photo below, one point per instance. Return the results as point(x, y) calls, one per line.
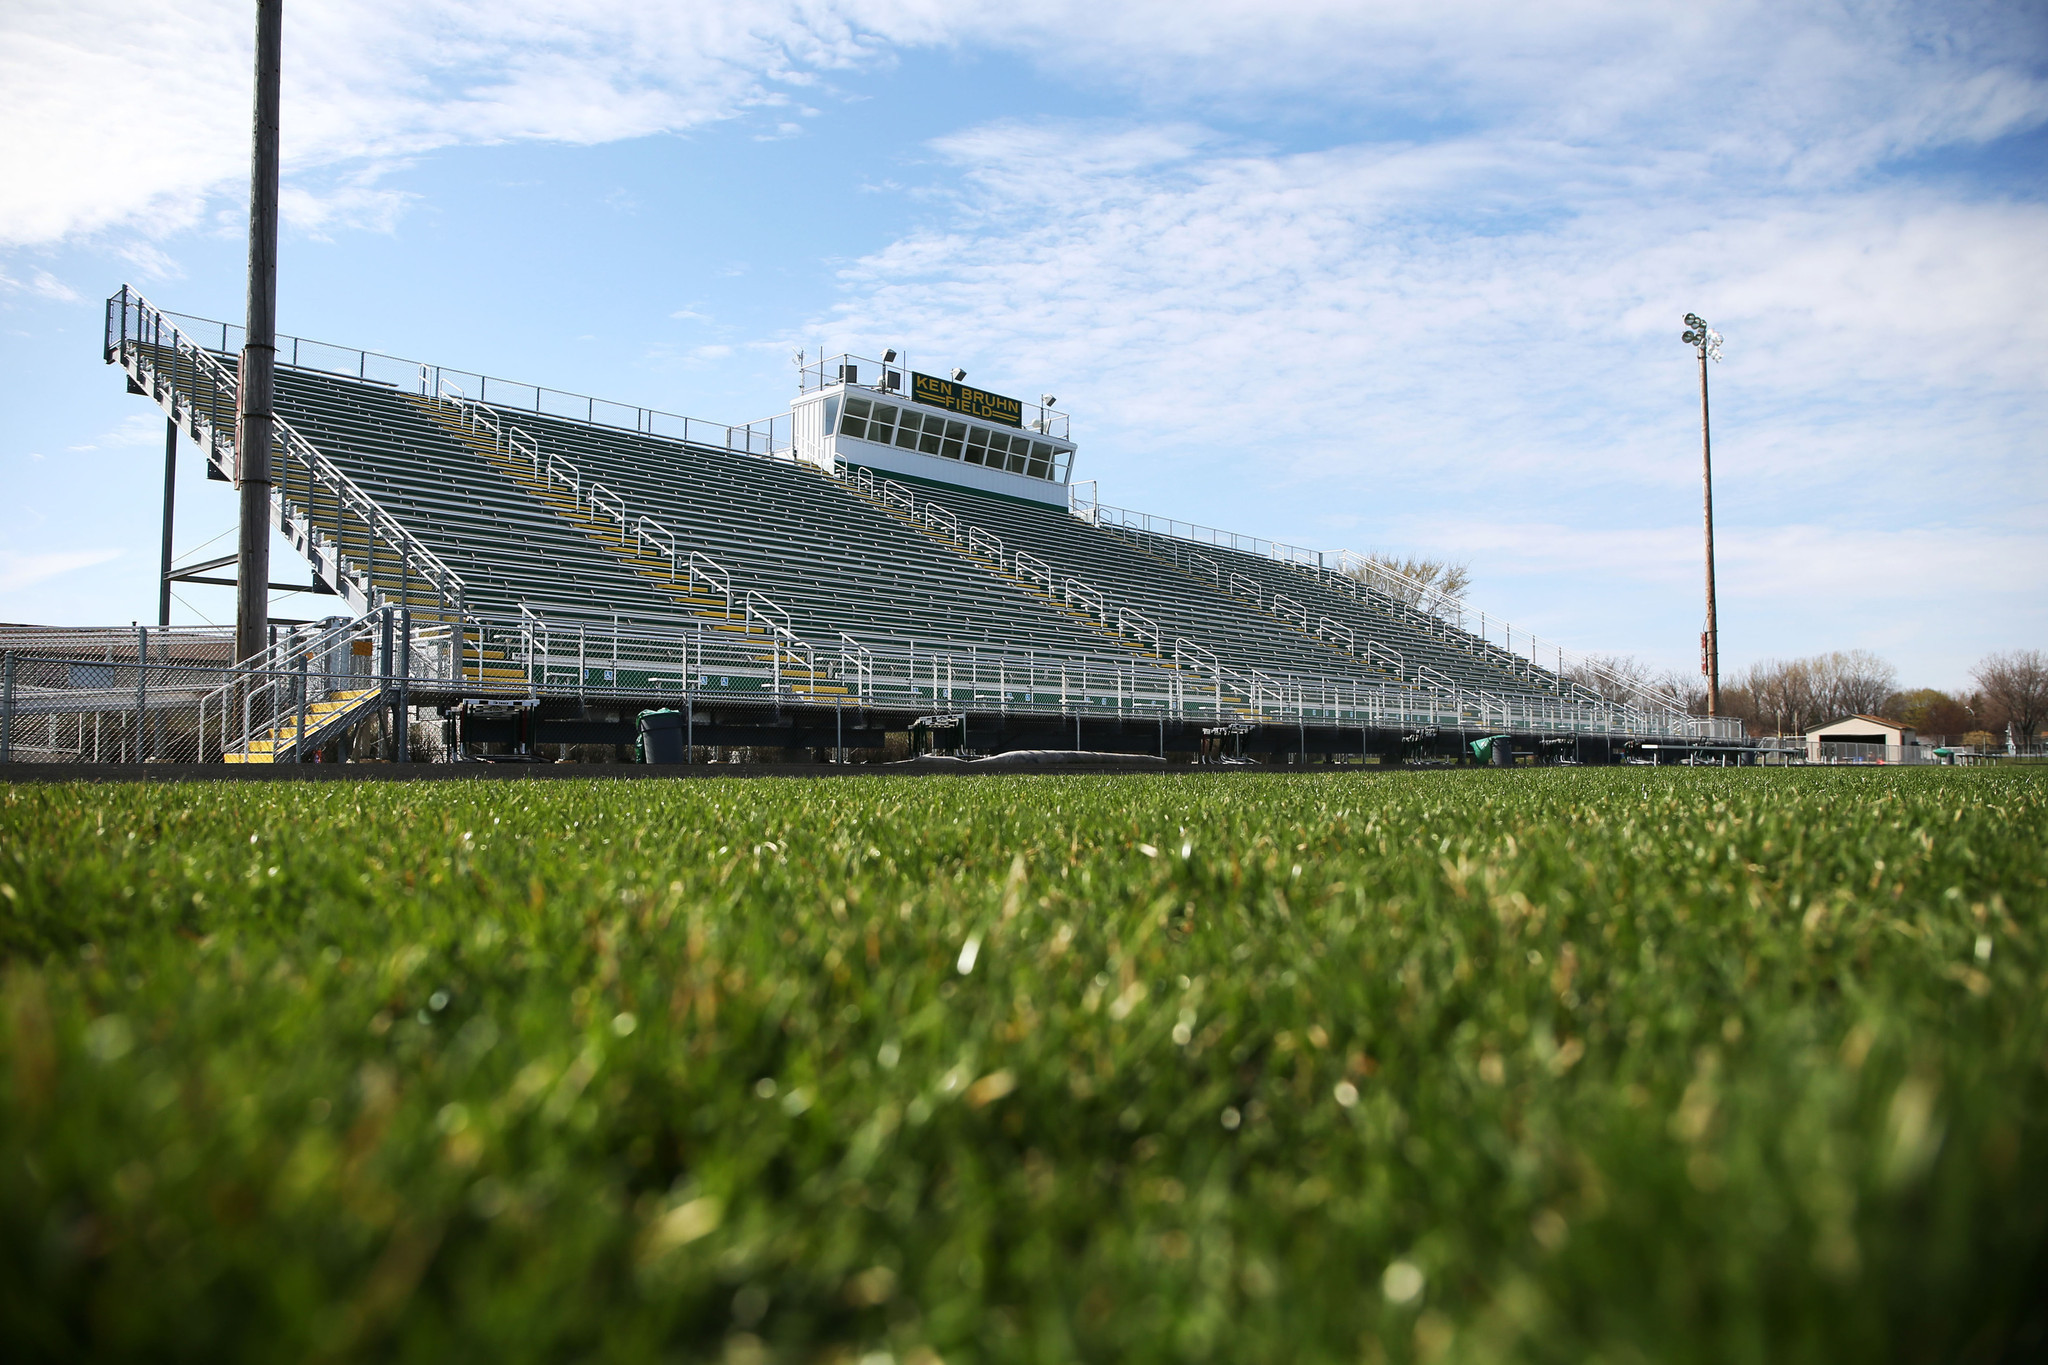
point(661, 737)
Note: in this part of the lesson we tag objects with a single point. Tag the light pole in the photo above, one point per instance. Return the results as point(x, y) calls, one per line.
point(255, 416)
point(1707, 342)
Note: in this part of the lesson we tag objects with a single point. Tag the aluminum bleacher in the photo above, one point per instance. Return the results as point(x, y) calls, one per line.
point(563, 546)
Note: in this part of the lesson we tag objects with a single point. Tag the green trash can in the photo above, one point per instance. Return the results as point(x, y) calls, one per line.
point(1494, 751)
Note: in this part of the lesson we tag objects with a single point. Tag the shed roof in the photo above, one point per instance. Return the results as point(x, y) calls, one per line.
point(1878, 721)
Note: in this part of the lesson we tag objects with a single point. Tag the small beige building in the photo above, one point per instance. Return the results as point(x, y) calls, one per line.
point(1864, 739)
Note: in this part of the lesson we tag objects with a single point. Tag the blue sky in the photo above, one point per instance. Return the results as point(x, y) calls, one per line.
point(1397, 277)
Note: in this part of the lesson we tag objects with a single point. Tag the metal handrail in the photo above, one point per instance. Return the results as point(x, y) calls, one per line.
point(519, 443)
point(1033, 569)
point(616, 506)
point(264, 688)
point(982, 542)
point(696, 565)
point(859, 660)
point(569, 475)
point(647, 531)
point(1147, 628)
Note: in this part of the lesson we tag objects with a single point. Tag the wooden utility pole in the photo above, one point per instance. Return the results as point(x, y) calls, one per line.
point(1708, 343)
point(255, 413)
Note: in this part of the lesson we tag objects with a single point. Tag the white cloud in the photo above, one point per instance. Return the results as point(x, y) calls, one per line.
point(137, 118)
point(137, 429)
point(151, 262)
point(1333, 310)
point(42, 284)
point(351, 202)
point(132, 118)
point(19, 571)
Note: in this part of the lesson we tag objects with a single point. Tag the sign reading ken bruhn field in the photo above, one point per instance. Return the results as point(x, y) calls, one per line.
point(944, 393)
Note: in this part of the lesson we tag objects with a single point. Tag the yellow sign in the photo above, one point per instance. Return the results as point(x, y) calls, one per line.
point(944, 393)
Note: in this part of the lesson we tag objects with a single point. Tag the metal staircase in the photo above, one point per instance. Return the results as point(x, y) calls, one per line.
point(354, 546)
point(297, 695)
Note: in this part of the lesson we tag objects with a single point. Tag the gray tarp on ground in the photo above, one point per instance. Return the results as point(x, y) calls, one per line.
point(1035, 758)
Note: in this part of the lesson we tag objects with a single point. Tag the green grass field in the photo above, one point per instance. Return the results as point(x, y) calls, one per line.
point(1553, 1066)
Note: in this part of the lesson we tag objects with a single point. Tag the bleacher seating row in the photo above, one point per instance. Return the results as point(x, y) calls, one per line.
point(834, 558)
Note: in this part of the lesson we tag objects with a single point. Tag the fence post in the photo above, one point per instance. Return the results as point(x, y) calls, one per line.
point(299, 725)
point(404, 727)
point(838, 720)
point(141, 687)
point(384, 665)
point(7, 710)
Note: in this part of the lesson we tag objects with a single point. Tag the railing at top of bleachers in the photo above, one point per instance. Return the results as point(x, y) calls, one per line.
point(765, 437)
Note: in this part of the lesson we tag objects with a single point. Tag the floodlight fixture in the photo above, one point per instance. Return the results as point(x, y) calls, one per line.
point(1699, 335)
point(1047, 399)
point(958, 374)
point(889, 356)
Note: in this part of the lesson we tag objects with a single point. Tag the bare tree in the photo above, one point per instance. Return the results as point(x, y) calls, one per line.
point(2015, 685)
point(1415, 580)
point(1688, 692)
point(1780, 693)
point(1611, 677)
point(1851, 682)
point(1789, 696)
point(1628, 681)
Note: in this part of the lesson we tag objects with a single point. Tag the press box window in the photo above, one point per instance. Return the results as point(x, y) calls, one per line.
point(921, 432)
point(855, 423)
point(932, 434)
